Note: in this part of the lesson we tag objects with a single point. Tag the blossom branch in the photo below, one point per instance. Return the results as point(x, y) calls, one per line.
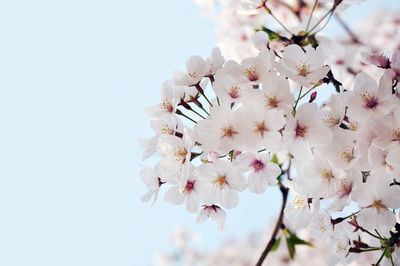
point(329, 13)
point(276, 19)
point(179, 112)
point(285, 192)
point(312, 12)
point(347, 29)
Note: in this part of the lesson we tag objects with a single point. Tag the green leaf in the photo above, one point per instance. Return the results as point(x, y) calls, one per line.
point(276, 245)
point(291, 248)
point(314, 42)
point(272, 35)
point(292, 240)
point(274, 159)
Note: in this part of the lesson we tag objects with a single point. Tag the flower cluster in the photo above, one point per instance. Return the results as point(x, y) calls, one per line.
point(222, 127)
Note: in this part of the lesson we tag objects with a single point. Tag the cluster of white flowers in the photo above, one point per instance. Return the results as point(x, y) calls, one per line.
point(223, 127)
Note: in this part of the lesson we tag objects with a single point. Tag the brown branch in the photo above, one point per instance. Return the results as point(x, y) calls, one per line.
point(346, 27)
point(278, 224)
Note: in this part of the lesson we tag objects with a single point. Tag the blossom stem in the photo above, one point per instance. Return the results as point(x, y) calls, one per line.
point(381, 257)
point(312, 12)
point(202, 108)
point(313, 87)
point(178, 112)
point(201, 91)
point(326, 23)
point(285, 192)
point(276, 19)
point(319, 22)
point(297, 101)
point(194, 111)
point(371, 234)
point(357, 250)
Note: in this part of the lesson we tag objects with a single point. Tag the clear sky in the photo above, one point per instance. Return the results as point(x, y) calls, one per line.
point(74, 78)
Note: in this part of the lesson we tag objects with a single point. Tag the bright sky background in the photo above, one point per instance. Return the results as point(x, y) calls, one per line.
point(74, 78)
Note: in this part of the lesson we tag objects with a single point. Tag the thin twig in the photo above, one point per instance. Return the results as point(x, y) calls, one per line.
point(329, 13)
point(297, 101)
point(312, 12)
point(276, 19)
point(271, 242)
point(347, 29)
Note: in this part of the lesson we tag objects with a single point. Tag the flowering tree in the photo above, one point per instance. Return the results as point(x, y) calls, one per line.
point(223, 126)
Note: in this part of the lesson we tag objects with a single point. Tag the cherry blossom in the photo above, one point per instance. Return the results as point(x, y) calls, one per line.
point(216, 213)
point(263, 172)
point(314, 117)
point(304, 67)
point(221, 183)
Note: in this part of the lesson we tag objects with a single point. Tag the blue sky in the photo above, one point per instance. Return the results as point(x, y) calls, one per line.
point(74, 79)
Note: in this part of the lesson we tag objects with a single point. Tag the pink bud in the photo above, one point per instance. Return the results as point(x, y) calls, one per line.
point(313, 96)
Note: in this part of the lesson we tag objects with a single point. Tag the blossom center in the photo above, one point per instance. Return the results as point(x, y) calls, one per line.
point(331, 121)
point(347, 154)
point(166, 130)
point(189, 187)
point(396, 135)
point(370, 100)
point(166, 106)
point(192, 75)
point(234, 92)
point(258, 165)
point(379, 206)
point(301, 130)
point(298, 203)
point(220, 181)
point(303, 69)
point(251, 74)
point(326, 175)
point(180, 154)
point(259, 127)
point(339, 247)
point(228, 131)
point(345, 189)
point(271, 101)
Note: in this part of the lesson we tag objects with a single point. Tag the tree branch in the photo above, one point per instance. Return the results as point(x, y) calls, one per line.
point(278, 224)
point(346, 27)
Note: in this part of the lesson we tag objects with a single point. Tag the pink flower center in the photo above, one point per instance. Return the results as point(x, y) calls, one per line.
point(347, 154)
point(166, 106)
point(234, 92)
point(166, 130)
point(251, 74)
point(379, 206)
point(396, 135)
point(370, 100)
point(189, 186)
point(220, 181)
point(303, 69)
point(301, 130)
point(228, 131)
point(180, 154)
point(258, 165)
point(345, 189)
point(271, 101)
point(259, 127)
